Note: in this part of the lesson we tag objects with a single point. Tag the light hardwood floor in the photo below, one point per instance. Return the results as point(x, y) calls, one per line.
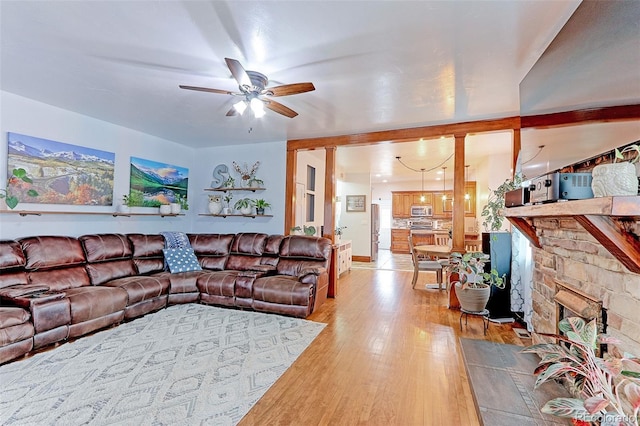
point(389, 355)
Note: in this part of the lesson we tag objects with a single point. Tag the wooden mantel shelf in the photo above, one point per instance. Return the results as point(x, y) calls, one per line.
point(604, 218)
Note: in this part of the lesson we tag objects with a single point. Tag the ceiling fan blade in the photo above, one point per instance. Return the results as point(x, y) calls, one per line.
point(232, 112)
point(289, 89)
point(238, 72)
point(205, 89)
point(279, 108)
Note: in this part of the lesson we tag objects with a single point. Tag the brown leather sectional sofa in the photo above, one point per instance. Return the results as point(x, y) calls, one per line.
point(53, 288)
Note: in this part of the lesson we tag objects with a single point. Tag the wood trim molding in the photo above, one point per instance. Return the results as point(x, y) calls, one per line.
point(582, 116)
point(290, 191)
point(404, 135)
point(361, 258)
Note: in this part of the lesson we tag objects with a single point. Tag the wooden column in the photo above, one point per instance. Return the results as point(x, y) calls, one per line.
point(329, 224)
point(290, 191)
point(517, 146)
point(458, 194)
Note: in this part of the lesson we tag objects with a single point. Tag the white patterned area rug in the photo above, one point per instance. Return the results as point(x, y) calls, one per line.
point(184, 365)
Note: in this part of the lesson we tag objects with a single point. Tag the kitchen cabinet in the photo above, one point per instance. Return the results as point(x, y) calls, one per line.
point(400, 240)
point(401, 204)
point(443, 208)
point(344, 256)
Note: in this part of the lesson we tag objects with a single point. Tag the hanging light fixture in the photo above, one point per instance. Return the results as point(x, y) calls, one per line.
point(444, 183)
point(422, 197)
point(466, 179)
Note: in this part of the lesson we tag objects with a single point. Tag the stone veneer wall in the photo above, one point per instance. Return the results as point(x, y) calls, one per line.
point(571, 255)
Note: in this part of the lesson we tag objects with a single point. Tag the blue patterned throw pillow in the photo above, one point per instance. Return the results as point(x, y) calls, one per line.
point(181, 260)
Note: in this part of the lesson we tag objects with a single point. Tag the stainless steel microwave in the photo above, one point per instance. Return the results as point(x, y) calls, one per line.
point(421, 211)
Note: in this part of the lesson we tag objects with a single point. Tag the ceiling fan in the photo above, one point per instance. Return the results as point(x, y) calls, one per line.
point(254, 93)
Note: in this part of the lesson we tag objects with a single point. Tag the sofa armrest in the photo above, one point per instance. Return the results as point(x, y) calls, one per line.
point(312, 271)
point(261, 270)
point(27, 300)
point(22, 290)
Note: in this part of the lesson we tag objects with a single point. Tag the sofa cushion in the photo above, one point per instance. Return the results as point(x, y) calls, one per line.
point(12, 316)
point(11, 255)
point(140, 288)
point(147, 252)
point(249, 243)
point(61, 279)
point(101, 247)
point(218, 283)
point(181, 260)
point(51, 252)
point(103, 272)
point(283, 290)
point(91, 302)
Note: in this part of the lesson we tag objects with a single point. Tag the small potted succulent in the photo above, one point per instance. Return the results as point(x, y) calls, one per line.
point(254, 182)
point(261, 205)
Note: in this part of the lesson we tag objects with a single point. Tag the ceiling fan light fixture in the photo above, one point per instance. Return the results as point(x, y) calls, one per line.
point(240, 106)
point(257, 107)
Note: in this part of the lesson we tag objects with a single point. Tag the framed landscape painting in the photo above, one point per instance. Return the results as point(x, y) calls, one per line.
point(62, 173)
point(153, 183)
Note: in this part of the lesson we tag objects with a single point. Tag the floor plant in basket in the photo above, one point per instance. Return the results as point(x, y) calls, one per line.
point(473, 286)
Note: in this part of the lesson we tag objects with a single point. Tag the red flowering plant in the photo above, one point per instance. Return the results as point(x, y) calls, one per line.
point(606, 390)
point(17, 177)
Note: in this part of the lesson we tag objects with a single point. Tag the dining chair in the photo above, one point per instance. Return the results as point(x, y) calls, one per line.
point(473, 245)
point(423, 263)
point(442, 240)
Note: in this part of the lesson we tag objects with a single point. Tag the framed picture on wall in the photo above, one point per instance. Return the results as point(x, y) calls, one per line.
point(356, 203)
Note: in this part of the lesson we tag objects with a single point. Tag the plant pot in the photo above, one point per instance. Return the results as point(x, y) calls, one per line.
point(175, 208)
point(254, 184)
point(614, 179)
point(260, 211)
point(473, 299)
point(215, 207)
point(246, 210)
point(165, 209)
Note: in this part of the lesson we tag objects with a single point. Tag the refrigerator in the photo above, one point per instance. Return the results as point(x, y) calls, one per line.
point(375, 231)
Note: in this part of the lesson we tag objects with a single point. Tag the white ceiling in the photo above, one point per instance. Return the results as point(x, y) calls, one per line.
point(376, 65)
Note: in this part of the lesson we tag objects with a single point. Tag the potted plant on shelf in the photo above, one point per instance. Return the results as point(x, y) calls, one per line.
point(615, 178)
point(295, 230)
point(227, 198)
point(605, 391)
point(246, 173)
point(244, 205)
point(125, 206)
point(230, 182)
point(309, 230)
point(17, 176)
point(254, 182)
point(338, 232)
point(473, 286)
point(261, 205)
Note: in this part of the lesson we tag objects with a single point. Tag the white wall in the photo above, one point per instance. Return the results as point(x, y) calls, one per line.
point(491, 174)
point(22, 115)
point(358, 223)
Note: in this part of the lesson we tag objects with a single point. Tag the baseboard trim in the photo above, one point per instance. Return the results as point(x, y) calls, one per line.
point(361, 258)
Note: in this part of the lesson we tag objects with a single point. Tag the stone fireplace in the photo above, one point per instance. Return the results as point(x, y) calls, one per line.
point(575, 275)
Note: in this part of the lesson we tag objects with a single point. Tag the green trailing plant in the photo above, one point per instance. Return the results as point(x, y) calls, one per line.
point(606, 390)
point(295, 229)
point(126, 200)
point(230, 182)
point(340, 229)
point(17, 176)
point(492, 211)
point(470, 270)
point(309, 230)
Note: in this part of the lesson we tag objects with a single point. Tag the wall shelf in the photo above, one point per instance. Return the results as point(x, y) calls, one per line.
point(253, 216)
point(234, 189)
point(606, 219)
point(114, 214)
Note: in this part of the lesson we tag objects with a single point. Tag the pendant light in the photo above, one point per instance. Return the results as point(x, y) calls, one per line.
point(444, 183)
point(422, 197)
point(466, 179)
